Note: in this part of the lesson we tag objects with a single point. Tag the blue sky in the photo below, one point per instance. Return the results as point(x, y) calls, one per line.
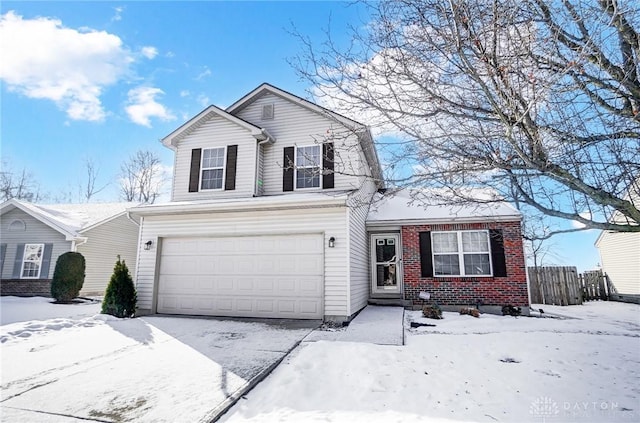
point(100, 80)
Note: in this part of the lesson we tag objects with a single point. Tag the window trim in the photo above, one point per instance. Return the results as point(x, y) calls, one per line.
point(24, 261)
point(297, 168)
point(461, 254)
point(224, 170)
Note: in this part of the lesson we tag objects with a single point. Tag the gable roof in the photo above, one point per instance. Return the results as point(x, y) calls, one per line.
point(194, 123)
point(363, 132)
point(71, 220)
point(404, 208)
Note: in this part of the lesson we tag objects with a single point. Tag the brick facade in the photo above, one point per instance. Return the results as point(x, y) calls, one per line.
point(495, 291)
point(26, 287)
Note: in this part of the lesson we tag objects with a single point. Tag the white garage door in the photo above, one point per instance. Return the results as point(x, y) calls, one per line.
point(253, 276)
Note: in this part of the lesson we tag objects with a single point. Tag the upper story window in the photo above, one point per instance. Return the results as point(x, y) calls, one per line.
point(308, 162)
point(461, 253)
point(212, 169)
point(32, 261)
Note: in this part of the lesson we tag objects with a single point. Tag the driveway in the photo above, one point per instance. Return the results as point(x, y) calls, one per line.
point(153, 368)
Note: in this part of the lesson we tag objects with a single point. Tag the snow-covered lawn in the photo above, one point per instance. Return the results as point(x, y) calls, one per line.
point(582, 368)
point(66, 363)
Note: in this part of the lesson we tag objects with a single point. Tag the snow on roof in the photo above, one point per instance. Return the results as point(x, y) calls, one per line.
point(72, 218)
point(417, 206)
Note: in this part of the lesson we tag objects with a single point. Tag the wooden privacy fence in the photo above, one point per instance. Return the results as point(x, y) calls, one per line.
point(563, 285)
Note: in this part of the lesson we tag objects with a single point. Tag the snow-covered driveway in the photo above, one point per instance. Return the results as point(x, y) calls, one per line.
point(585, 368)
point(146, 369)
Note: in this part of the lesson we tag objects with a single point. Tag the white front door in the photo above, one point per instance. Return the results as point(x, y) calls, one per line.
point(386, 263)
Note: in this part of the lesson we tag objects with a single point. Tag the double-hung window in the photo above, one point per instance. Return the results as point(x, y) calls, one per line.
point(212, 169)
point(308, 160)
point(32, 261)
point(461, 253)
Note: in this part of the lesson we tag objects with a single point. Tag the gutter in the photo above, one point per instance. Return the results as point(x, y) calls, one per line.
point(442, 220)
point(238, 206)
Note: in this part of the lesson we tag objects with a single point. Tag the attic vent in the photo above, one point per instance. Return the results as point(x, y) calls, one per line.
point(267, 111)
point(17, 225)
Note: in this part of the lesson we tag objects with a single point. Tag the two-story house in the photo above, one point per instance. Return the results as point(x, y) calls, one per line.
point(270, 216)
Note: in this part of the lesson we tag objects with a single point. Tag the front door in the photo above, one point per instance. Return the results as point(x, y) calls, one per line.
point(386, 263)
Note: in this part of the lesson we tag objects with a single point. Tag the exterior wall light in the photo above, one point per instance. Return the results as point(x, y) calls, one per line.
point(332, 242)
point(147, 245)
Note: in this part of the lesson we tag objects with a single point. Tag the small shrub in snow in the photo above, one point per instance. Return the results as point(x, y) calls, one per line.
point(120, 297)
point(470, 311)
point(432, 311)
point(68, 277)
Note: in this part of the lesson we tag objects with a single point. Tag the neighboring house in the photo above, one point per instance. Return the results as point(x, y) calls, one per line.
point(620, 254)
point(33, 236)
point(270, 217)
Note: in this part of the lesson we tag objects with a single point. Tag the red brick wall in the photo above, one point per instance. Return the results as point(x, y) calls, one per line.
point(497, 291)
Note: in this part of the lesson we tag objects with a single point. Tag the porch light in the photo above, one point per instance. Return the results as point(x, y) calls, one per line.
point(332, 242)
point(147, 245)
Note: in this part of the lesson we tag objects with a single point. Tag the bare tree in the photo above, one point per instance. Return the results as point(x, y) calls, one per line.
point(19, 185)
point(142, 177)
point(538, 100)
point(89, 189)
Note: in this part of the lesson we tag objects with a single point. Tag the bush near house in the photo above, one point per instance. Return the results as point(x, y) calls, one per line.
point(68, 277)
point(120, 297)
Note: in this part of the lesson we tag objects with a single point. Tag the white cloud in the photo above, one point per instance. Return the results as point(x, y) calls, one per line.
point(580, 225)
point(43, 59)
point(185, 93)
point(206, 72)
point(149, 52)
point(203, 100)
point(143, 106)
point(118, 14)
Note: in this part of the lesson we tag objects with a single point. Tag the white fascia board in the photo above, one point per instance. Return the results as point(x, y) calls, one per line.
point(213, 207)
point(444, 221)
point(170, 140)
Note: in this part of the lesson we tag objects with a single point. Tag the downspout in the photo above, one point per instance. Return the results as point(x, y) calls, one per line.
point(257, 168)
point(78, 242)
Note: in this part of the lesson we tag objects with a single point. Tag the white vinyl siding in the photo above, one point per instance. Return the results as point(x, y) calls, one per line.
point(105, 242)
point(215, 132)
point(294, 125)
point(35, 232)
point(359, 204)
point(327, 221)
point(620, 259)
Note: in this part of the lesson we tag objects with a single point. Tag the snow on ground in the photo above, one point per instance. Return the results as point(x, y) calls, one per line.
point(17, 309)
point(149, 369)
point(584, 367)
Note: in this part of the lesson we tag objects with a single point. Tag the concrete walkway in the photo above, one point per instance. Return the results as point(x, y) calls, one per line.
point(381, 325)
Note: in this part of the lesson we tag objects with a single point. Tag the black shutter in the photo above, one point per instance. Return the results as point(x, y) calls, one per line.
point(288, 168)
point(17, 264)
point(327, 165)
point(497, 253)
point(46, 261)
point(3, 251)
point(194, 175)
point(232, 158)
point(426, 259)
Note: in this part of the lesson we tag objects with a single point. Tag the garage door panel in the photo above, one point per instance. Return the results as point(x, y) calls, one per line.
point(269, 276)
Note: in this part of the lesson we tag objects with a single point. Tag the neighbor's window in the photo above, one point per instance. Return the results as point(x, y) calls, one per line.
point(462, 253)
point(212, 168)
point(32, 261)
point(308, 166)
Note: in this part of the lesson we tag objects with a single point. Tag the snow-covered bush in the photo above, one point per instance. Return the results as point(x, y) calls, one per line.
point(68, 277)
point(120, 297)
